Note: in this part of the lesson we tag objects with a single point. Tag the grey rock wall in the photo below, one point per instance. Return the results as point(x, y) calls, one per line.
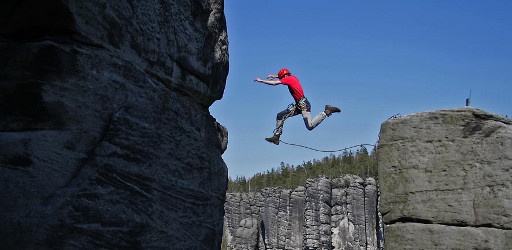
point(106, 140)
point(325, 214)
point(446, 180)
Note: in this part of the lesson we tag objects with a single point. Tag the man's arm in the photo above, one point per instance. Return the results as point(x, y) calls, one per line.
point(267, 82)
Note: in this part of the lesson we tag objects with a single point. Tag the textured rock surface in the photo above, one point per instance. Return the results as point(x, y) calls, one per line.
point(446, 180)
point(325, 214)
point(247, 233)
point(106, 139)
point(435, 236)
point(317, 214)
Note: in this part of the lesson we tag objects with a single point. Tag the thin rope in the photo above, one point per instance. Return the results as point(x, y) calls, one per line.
point(326, 151)
point(343, 149)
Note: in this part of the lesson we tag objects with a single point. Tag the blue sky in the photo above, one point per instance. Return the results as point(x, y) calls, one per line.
point(373, 59)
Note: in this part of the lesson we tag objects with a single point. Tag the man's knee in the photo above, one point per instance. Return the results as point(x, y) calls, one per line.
point(281, 115)
point(308, 124)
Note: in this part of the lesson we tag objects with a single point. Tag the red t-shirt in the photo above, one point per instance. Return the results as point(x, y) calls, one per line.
point(293, 86)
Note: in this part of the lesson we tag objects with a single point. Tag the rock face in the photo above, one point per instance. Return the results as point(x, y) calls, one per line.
point(106, 138)
point(446, 180)
point(325, 214)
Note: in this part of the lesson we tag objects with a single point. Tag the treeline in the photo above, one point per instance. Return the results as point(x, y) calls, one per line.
point(360, 162)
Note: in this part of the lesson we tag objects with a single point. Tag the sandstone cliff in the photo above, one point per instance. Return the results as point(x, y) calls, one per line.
point(325, 214)
point(106, 139)
point(446, 180)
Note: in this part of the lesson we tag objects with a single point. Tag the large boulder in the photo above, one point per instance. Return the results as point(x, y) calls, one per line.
point(106, 138)
point(445, 178)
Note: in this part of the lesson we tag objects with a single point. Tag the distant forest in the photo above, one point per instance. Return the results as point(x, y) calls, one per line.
point(360, 162)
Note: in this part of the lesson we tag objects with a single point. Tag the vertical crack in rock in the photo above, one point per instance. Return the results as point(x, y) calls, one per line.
point(365, 217)
point(380, 223)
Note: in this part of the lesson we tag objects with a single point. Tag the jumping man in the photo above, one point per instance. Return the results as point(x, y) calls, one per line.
point(301, 105)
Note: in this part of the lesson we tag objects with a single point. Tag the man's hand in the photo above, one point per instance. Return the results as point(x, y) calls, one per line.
point(267, 82)
point(271, 77)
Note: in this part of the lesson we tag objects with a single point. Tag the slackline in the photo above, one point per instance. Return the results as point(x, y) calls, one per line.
point(343, 149)
point(326, 151)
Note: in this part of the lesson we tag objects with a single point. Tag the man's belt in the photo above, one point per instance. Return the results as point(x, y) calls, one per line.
point(301, 103)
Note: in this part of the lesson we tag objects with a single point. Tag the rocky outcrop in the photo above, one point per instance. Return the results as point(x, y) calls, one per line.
point(325, 214)
point(446, 180)
point(106, 138)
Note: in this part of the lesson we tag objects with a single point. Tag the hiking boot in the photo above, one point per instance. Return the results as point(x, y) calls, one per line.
point(274, 139)
point(331, 109)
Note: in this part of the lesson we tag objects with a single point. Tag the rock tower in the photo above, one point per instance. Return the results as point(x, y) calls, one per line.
point(105, 134)
point(446, 180)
